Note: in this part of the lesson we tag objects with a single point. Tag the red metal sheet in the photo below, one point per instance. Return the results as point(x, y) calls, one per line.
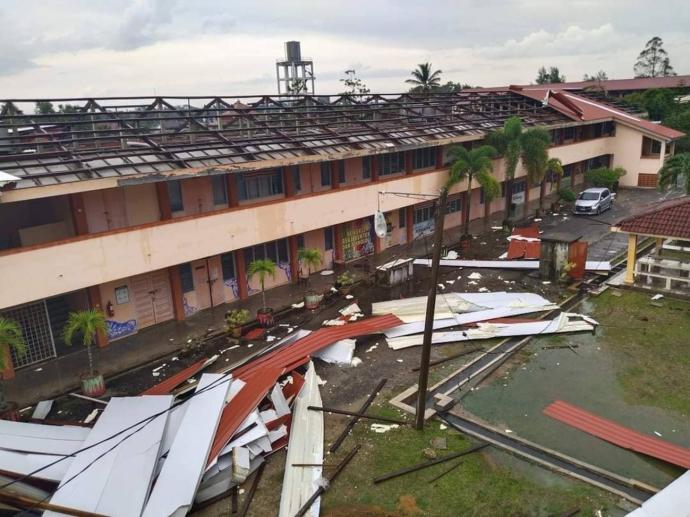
point(298, 352)
point(524, 249)
point(577, 255)
point(248, 398)
point(617, 434)
point(169, 384)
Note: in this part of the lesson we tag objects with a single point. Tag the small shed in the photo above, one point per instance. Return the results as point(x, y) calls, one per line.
point(395, 272)
point(562, 253)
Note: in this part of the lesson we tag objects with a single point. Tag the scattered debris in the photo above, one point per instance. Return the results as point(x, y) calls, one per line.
point(475, 276)
point(326, 272)
point(383, 428)
point(42, 409)
point(429, 453)
point(657, 297)
point(439, 442)
point(299, 305)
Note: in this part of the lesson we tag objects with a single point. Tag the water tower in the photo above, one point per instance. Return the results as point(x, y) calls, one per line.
point(295, 75)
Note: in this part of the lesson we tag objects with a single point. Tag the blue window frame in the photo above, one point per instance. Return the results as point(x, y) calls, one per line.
point(175, 196)
point(325, 174)
point(186, 277)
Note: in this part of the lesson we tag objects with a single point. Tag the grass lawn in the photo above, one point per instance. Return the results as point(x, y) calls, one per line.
point(653, 345)
point(477, 487)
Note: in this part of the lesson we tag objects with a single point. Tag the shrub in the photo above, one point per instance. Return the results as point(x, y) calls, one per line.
point(236, 318)
point(604, 177)
point(345, 278)
point(567, 195)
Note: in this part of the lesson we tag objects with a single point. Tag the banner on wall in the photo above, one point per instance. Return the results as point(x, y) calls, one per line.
point(358, 239)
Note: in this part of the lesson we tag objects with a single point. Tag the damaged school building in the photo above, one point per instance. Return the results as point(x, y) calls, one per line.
point(151, 209)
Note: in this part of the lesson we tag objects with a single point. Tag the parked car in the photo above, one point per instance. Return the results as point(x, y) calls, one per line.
point(593, 201)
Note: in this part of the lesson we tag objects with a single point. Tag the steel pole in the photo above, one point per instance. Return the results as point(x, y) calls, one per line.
point(430, 309)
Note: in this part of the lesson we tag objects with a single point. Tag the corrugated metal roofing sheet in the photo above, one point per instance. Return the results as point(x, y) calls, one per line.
point(169, 384)
point(618, 434)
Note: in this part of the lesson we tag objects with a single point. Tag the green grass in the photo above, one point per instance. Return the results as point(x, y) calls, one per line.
point(477, 487)
point(652, 345)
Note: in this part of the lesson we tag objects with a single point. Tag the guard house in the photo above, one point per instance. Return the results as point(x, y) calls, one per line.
point(667, 268)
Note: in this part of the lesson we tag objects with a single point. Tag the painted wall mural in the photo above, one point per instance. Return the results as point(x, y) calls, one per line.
point(188, 309)
point(118, 329)
point(358, 239)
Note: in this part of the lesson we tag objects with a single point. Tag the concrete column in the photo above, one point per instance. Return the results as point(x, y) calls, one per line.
point(374, 167)
point(294, 263)
point(659, 244)
point(632, 259)
point(335, 177)
point(233, 190)
point(409, 223)
point(408, 162)
point(338, 242)
point(241, 271)
point(176, 292)
point(94, 294)
point(76, 204)
point(163, 200)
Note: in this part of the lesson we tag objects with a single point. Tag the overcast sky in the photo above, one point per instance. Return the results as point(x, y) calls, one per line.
point(72, 48)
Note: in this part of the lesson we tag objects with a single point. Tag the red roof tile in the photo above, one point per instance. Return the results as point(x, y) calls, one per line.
point(617, 434)
point(669, 219)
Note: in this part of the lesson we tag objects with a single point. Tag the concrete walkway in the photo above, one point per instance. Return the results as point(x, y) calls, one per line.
point(60, 375)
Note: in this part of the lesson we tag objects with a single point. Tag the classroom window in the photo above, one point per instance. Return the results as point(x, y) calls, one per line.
point(341, 171)
point(227, 264)
point(296, 179)
point(220, 190)
point(650, 147)
point(255, 186)
point(186, 278)
point(391, 163)
point(402, 218)
point(422, 215)
point(175, 196)
point(424, 158)
point(328, 238)
point(366, 167)
point(277, 251)
point(453, 205)
point(325, 174)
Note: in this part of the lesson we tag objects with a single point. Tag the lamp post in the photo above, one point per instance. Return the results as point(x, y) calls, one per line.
point(431, 299)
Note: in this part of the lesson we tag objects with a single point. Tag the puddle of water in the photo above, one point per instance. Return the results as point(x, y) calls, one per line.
point(586, 379)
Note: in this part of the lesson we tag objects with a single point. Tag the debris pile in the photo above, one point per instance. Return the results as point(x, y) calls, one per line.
point(182, 443)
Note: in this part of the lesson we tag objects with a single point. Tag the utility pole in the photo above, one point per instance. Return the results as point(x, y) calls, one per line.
point(430, 309)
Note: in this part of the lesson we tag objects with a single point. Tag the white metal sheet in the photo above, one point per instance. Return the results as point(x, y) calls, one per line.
point(121, 468)
point(305, 446)
point(590, 265)
point(41, 438)
point(23, 463)
point(672, 501)
point(173, 493)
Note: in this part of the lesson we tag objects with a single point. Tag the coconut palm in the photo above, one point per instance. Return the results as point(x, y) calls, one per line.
point(554, 167)
point(675, 168)
point(424, 79)
point(310, 257)
point(89, 323)
point(262, 268)
point(507, 142)
point(473, 164)
point(534, 153)
point(11, 339)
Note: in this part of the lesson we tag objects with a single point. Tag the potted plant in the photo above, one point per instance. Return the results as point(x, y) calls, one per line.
point(11, 339)
point(235, 319)
point(263, 268)
point(88, 323)
point(344, 282)
point(310, 257)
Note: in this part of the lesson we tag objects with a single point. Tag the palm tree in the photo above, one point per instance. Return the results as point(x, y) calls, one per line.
point(424, 79)
point(262, 268)
point(554, 167)
point(11, 339)
point(311, 257)
point(88, 323)
point(534, 153)
point(507, 141)
point(676, 167)
point(473, 164)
